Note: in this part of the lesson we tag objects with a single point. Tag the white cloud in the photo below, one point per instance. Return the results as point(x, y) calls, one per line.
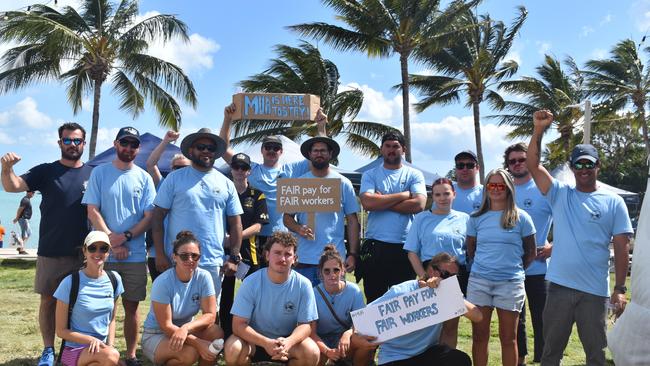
point(5, 139)
point(606, 19)
point(26, 113)
point(378, 108)
point(586, 30)
point(23, 4)
point(599, 54)
point(640, 14)
point(543, 47)
point(105, 138)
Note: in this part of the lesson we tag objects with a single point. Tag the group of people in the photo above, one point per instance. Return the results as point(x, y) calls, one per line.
point(294, 304)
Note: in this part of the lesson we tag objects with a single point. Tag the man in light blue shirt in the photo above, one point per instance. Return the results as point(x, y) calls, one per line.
point(392, 193)
point(329, 226)
point(585, 219)
point(530, 199)
point(119, 199)
point(264, 176)
point(200, 199)
point(273, 311)
point(469, 192)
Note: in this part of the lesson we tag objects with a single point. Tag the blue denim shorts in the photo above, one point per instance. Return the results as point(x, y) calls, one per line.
point(506, 295)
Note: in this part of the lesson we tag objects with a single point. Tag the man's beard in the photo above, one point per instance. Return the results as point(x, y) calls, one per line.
point(320, 164)
point(126, 157)
point(520, 175)
point(201, 163)
point(74, 154)
point(393, 160)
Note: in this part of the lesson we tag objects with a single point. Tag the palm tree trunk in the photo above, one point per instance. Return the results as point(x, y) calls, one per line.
point(95, 126)
point(403, 60)
point(477, 136)
point(644, 130)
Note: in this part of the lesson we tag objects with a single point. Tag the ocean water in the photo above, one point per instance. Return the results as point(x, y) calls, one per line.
point(9, 205)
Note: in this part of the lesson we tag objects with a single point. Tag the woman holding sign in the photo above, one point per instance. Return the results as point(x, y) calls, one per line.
point(335, 299)
point(436, 231)
point(501, 240)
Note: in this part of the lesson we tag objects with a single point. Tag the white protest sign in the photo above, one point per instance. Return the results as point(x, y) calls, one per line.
point(410, 312)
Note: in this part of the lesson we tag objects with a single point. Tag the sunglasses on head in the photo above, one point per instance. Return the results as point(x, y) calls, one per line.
point(443, 274)
point(275, 148)
point(331, 270)
point(461, 166)
point(94, 247)
point(239, 167)
point(586, 165)
point(204, 147)
point(515, 161)
point(496, 187)
point(68, 141)
point(186, 256)
point(132, 143)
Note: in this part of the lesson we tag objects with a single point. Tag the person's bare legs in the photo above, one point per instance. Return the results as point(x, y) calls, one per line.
point(481, 337)
point(305, 353)
point(508, 321)
point(237, 351)
point(46, 312)
point(131, 321)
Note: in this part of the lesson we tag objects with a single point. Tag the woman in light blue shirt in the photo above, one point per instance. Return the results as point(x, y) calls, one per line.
point(501, 241)
point(440, 230)
point(172, 332)
point(335, 299)
point(89, 330)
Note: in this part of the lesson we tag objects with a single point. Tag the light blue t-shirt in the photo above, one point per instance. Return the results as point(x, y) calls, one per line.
point(328, 328)
point(122, 197)
point(431, 234)
point(408, 345)
point(467, 200)
point(583, 226)
point(200, 202)
point(92, 312)
point(184, 297)
point(265, 179)
point(386, 225)
point(330, 226)
point(499, 251)
point(529, 198)
point(275, 309)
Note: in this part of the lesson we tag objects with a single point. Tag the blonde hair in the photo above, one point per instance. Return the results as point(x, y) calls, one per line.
point(510, 215)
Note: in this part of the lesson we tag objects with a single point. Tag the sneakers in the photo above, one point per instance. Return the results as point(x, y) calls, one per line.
point(47, 357)
point(132, 362)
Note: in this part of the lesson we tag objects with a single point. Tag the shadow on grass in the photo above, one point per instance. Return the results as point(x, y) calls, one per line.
point(17, 264)
point(20, 362)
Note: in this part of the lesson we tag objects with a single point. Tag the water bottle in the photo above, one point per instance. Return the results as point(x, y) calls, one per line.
point(216, 346)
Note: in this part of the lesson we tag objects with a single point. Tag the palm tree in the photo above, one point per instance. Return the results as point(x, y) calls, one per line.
point(303, 70)
point(101, 41)
point(382, 28)
point(473, 66)
point(556, 90)
point(622, 81)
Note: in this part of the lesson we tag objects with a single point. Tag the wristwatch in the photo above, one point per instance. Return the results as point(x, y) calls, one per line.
point(622, 289)
point(128, 235)
point(234, 259)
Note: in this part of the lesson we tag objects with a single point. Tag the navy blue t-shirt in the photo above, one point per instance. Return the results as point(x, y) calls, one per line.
point(64, 221)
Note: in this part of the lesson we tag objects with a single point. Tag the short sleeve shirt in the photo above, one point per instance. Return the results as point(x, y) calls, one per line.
point(529, 198)
point(467, 200)
point(253, 203)
point(346, 301)
point(431, 234)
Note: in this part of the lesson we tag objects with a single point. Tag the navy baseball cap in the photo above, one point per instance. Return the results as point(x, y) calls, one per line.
point(584, 151)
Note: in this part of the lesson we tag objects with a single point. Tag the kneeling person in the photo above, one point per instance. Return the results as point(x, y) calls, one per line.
point(426, 346)
point(170, 334)
point(273, 310)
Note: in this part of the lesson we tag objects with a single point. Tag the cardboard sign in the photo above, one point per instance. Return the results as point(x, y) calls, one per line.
point(308, 195)
point(276, 106)
point(410, 312)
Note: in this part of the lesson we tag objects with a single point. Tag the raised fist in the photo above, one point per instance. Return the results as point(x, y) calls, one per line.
point(542, 118)
point(9, 160)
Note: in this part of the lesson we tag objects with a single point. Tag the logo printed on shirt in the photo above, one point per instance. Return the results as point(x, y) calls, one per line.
point(195, 297)
point(289, 307)
point(248, 202)
point(85, 186)
point(137, 191)
point(476, 205)
point(108, 294)
point(528, 203)
point(595, 215)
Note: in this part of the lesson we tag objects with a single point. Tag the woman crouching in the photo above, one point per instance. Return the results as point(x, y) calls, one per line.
point(171, 336)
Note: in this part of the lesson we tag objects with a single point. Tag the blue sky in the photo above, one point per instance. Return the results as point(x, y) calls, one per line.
point(230, 41)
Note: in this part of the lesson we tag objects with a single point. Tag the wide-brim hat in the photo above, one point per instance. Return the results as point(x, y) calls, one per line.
point(333, 145)
point(205, 132)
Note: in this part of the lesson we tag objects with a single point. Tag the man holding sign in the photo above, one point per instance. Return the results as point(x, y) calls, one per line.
point(425, 346)
point(329, 226)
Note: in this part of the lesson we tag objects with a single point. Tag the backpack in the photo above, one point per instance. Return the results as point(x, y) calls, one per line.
point(74, 291)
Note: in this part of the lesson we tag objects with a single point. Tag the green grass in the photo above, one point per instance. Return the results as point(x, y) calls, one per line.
point(20, 340)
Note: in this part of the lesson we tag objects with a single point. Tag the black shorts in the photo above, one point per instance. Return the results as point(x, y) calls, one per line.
point(261, 356)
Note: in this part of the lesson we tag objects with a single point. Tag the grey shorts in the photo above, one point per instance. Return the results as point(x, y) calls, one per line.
point(150, 340)
point(134, 279)
point(506, 295)
point(51, 270)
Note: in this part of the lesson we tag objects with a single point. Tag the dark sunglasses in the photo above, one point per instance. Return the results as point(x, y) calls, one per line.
point(497, 187)
point(204, 147)
point(176, 167)
point(68, 141)
point(93, 248)
point(275, 148)
point(443, 274)
point(133, 144)
point(515, 161)
point(186, 256)
point(333, 270)
point(587, 165)
point(461, 166)
point(239, 167)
